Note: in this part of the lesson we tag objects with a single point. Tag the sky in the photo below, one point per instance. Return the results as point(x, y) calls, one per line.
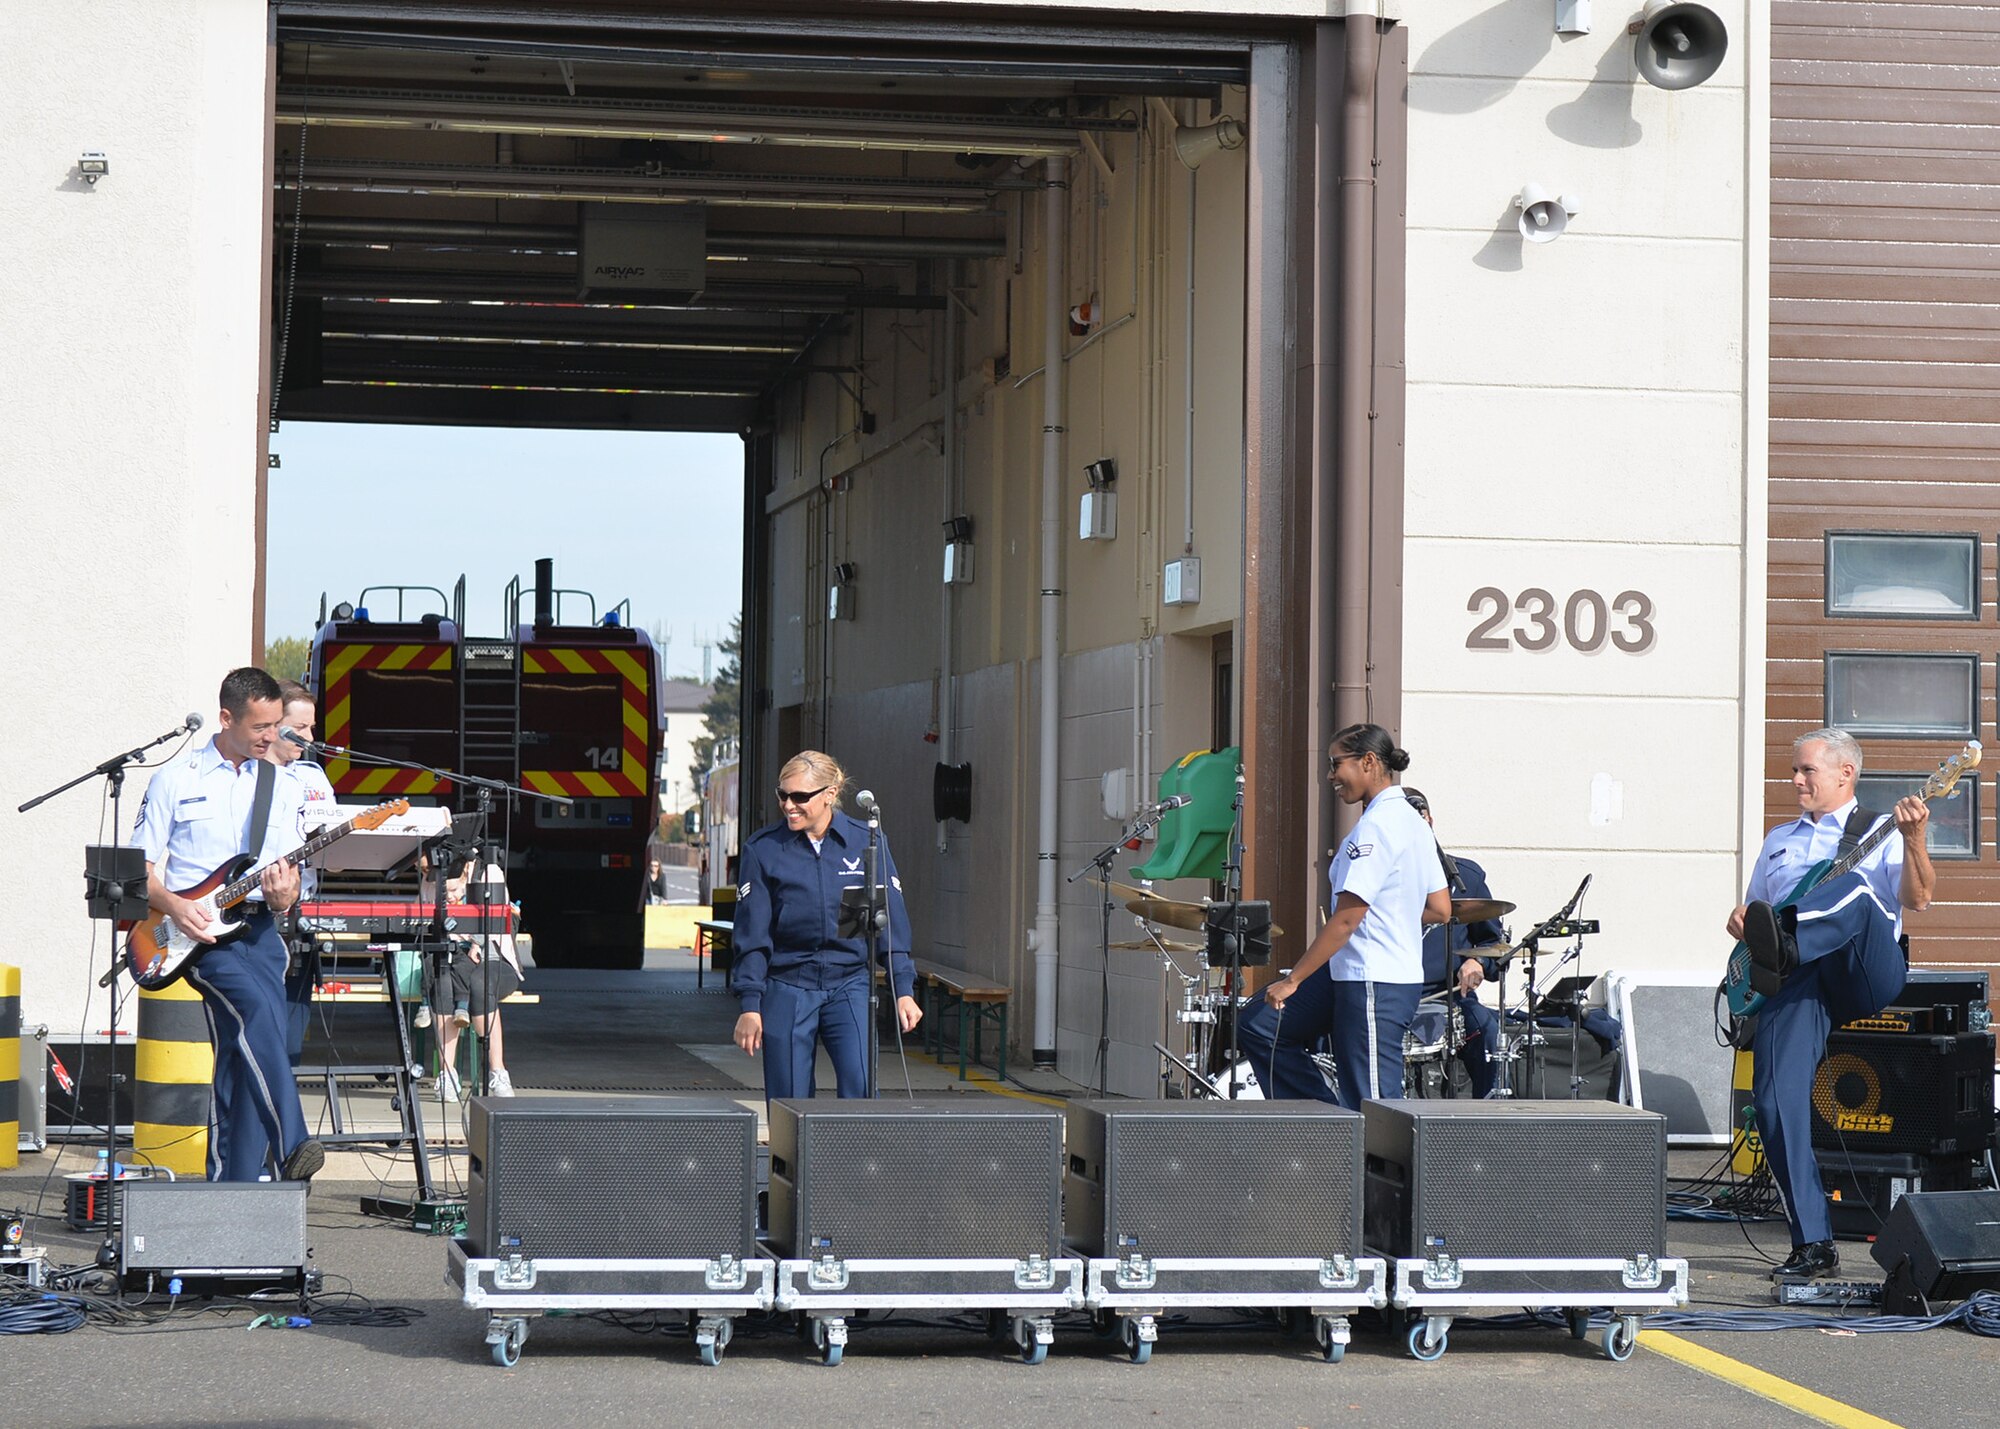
point(654, 516)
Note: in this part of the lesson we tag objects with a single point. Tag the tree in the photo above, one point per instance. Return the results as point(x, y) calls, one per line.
point(724, 707)
point(286, 657)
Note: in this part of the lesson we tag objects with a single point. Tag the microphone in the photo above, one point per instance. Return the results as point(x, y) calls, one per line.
point(292, 736)
point(1173, 801)
point(866, 799)
point(192, 724)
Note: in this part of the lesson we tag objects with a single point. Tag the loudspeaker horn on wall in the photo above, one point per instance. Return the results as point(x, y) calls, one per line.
point(1193, 145)
point(1679, 44)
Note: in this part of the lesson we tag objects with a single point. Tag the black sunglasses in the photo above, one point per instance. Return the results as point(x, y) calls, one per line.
point(799, 798)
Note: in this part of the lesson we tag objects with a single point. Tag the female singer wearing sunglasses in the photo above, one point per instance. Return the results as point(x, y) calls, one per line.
point(798, 981)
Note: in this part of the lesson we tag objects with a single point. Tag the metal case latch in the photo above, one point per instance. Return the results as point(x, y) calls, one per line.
point(829, 1272)
point(1338, 1273)
point(1135, 1272)
point(726, 1272)
point(1442, 1272)
point(514, 1273)
point(1642, 1272)
point(1034, 1273)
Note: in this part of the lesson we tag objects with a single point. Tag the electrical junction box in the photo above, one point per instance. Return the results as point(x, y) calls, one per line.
point(1181, 582)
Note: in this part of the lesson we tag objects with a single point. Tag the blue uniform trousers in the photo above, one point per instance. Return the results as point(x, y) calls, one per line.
point(1850, 965)
point(1365, 1021)
point(254, 1110)
point(1482, 1035)
point(797, 1017)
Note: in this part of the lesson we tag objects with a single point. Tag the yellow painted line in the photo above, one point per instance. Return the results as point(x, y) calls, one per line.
point(443, 660)
point(1796, 1398)
point(399, 656)
point(983, 1082)
point(595, 783)
point(575, 662)
point(530, 663)
point(540, 782)
point(635, 721)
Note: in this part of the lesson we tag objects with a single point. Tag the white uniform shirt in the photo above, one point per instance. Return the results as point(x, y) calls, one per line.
point(1390, 862)
point(1791, 849)
point(318, 808)
point(196, 815)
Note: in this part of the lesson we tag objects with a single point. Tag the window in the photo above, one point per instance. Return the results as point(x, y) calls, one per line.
point(1900, 696)
point(1954, 826)
point(1902, 575)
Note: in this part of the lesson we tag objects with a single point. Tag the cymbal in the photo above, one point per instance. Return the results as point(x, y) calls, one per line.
point(1121, 890)
point(1478, 910)
point(1191, 916)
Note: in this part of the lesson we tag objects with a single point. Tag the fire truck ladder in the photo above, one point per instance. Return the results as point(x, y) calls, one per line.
point(489, 732)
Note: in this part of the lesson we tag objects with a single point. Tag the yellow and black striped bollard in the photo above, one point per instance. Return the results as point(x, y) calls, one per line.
point(174, 1072)
point(10, 1065)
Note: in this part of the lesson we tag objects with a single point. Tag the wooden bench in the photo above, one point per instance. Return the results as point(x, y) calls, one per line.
point(950, 992)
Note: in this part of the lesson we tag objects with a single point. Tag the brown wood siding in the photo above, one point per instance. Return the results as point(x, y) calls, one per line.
point(1885, 369)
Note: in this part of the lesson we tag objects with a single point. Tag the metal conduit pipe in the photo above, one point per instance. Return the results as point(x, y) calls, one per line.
point(947, 691)
point(1352, 475)
point(1045, 942)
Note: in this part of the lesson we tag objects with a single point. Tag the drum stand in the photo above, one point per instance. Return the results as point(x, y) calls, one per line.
point(1561, 925)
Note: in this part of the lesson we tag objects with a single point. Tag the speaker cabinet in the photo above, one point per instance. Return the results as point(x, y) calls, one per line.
point(1934, 1001)
point(612, 1178)
point(964, 1178)
point(1862, 1189)
point(1216, 1179)
point(1518, 1179)
point(241, 1233)
point(1939, 1245)
point(1894, 1092)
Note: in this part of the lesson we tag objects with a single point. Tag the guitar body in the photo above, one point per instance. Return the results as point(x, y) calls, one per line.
point(1743, 1002)
point(159, 954)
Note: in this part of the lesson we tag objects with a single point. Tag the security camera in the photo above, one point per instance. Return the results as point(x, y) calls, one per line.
point(1544, 216)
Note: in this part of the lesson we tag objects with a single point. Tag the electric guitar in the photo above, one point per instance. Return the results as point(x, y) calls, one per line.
point(1743, 1002)
point(158, 953)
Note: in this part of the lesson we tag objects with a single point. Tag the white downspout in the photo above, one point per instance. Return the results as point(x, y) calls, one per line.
point(1045, 940)
point(947, 701)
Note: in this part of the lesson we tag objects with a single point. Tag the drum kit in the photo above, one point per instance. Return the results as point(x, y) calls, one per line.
point(1201, 1006)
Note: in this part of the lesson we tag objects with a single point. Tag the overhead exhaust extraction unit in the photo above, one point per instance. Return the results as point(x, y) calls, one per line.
point(661, 252)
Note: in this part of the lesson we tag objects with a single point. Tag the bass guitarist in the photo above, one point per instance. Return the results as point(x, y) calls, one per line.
point(1833, 957)
point(208, 806)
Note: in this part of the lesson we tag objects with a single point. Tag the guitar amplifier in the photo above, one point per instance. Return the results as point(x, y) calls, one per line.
point(1895, 1091)
point(1515, 1179)
point(1215, 1179)
point(964, 1178)
point(611, 1178)
point(1946, 1002)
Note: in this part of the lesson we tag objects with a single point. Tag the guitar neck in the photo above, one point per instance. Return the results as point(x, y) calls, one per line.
point(238, 889)
point(1876, 836)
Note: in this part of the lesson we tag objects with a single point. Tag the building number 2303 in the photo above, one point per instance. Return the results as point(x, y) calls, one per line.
point(1586, 620)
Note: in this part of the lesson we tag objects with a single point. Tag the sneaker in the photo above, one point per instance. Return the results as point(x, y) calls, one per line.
point(461, 1016)
point(448, 1087)
point(499, 1084)
point(423, 1017)
point(304, 1162)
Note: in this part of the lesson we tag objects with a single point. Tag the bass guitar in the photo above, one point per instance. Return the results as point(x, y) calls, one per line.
point(1743, 1001)
point(158, 953)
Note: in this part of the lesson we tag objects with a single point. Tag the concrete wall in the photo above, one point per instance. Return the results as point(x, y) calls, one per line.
point(130, 435)
point(960, 664)
point(1577, 420)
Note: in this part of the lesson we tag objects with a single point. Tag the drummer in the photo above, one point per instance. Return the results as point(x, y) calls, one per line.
point(1451, 971)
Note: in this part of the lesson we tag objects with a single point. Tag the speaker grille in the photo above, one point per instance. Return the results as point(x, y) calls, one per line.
point(591, 1182)
point(1886, 1092)
point(900, 1182)
point(1222, 1185)
point(1530, 1180)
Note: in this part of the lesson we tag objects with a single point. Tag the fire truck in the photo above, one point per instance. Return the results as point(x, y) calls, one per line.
point(569, 709)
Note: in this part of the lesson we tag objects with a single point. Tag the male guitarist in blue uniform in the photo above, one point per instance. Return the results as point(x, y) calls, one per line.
point(1834, 956)
point(198, 814)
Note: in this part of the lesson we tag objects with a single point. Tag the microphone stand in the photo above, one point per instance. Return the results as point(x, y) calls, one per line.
point(877, 945)
point(118, 901)
point(1232, 891)
point(1102, 861)
point(1554, 926)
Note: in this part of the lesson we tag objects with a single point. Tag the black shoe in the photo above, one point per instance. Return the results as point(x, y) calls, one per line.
point(304, 1162)
point(1808, 1262)
point(1774, 953)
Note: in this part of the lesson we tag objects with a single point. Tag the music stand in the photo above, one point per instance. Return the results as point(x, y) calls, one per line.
point(114, 882)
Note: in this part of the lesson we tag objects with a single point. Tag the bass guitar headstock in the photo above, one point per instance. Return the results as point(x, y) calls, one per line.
point(1942, 784)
